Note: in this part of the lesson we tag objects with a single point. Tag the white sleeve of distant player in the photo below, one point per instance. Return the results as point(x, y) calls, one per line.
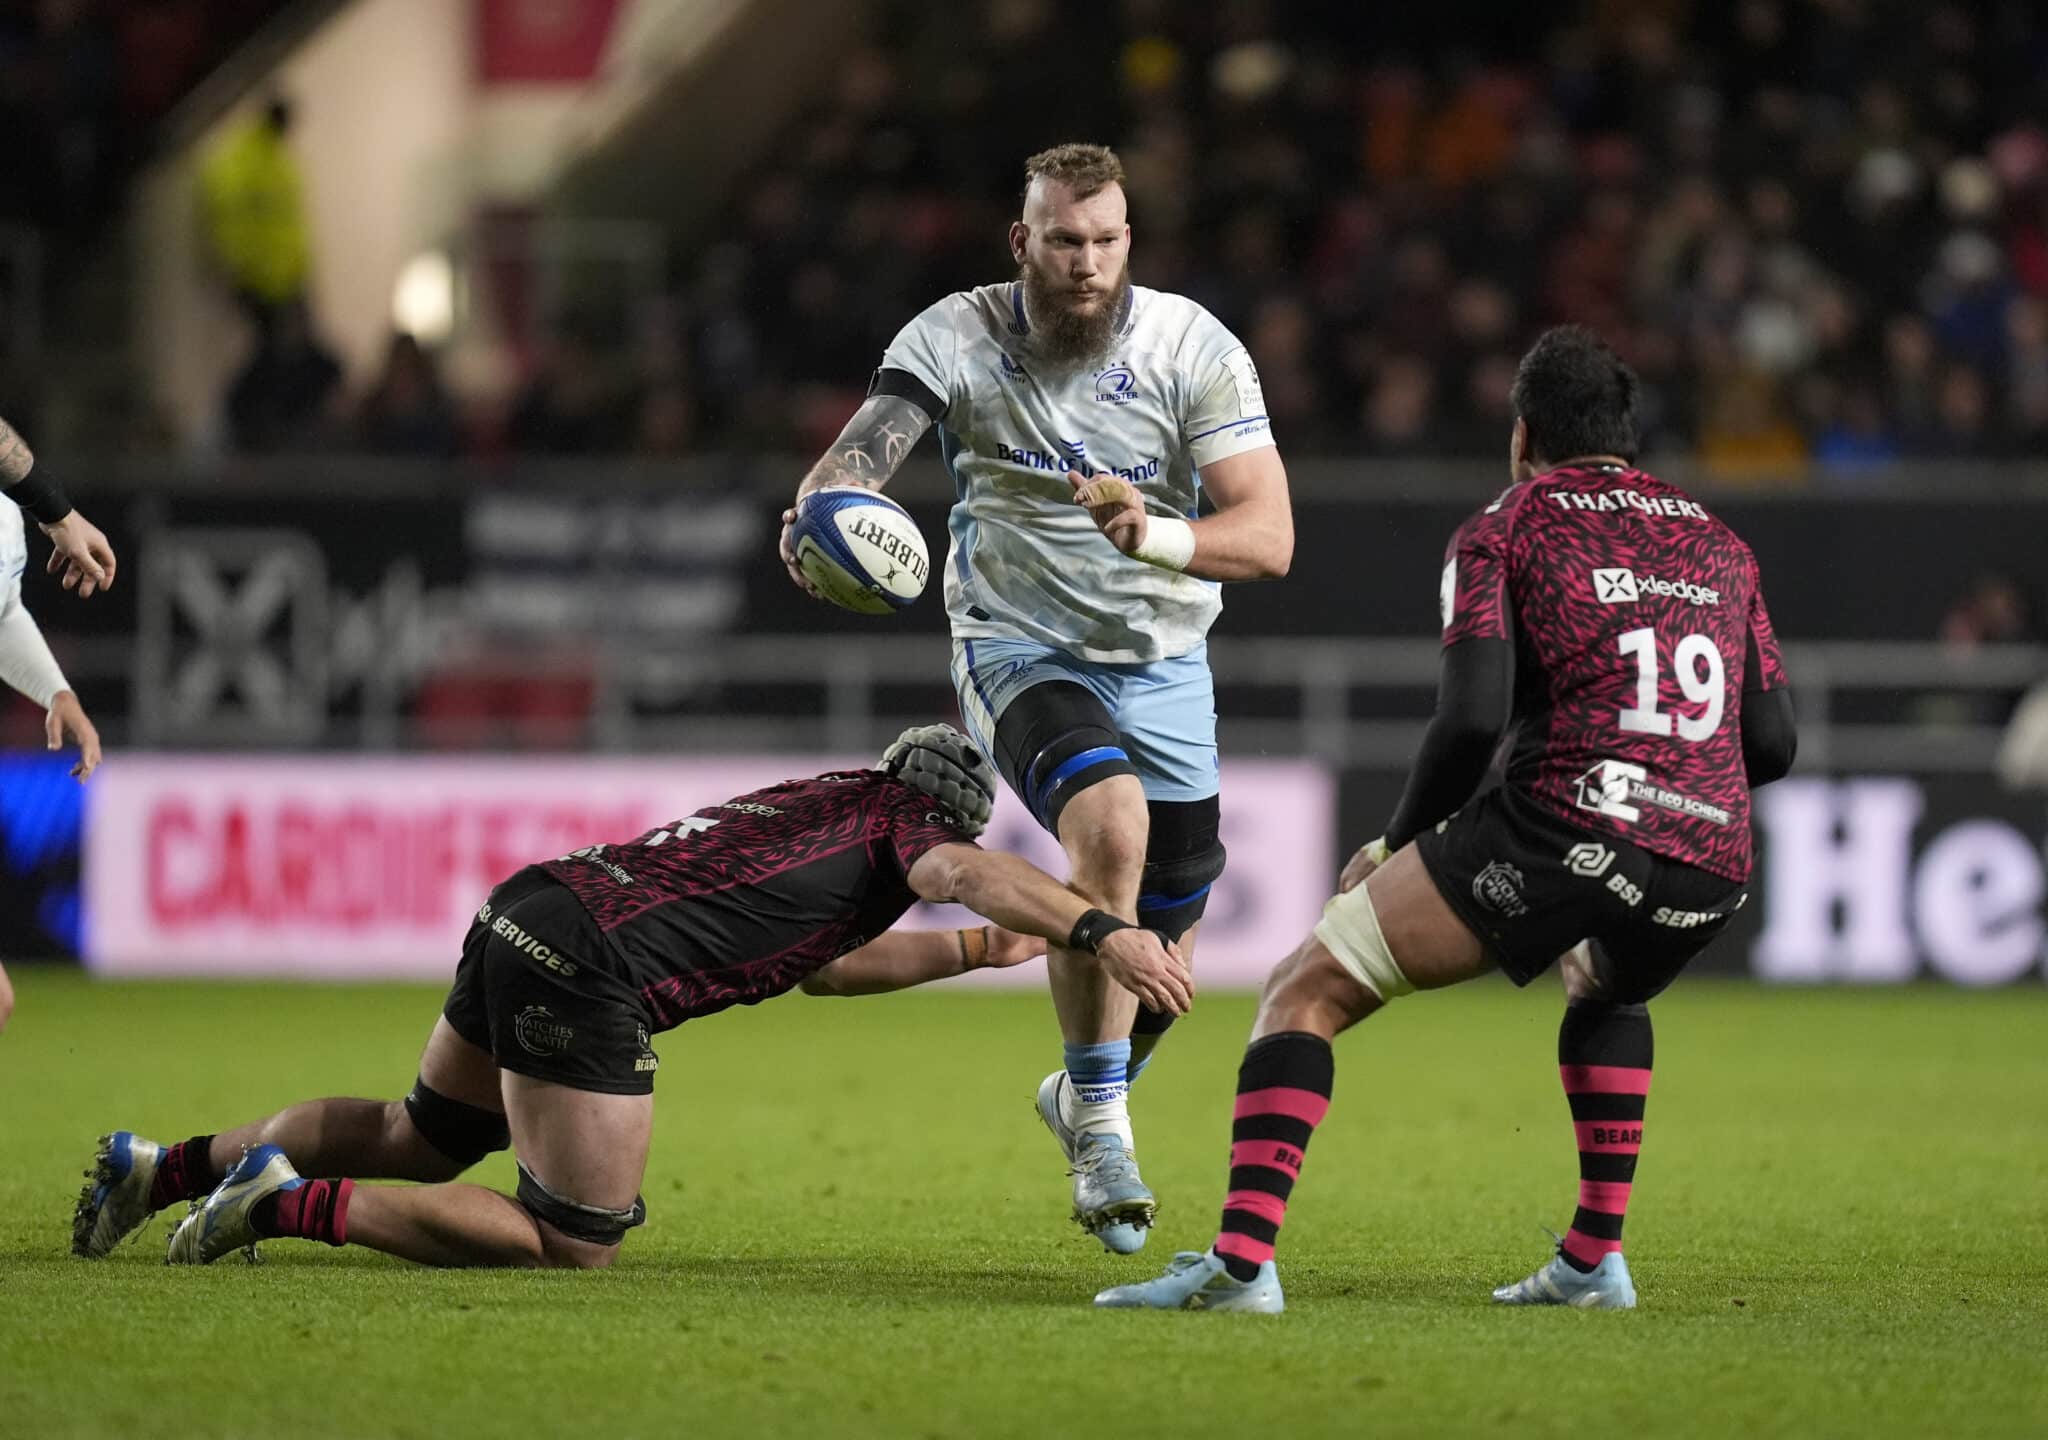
point(1227, 411)
point(927, 348)
point(26, 663)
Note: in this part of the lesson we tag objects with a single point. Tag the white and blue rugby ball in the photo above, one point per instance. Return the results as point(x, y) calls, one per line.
point(860, 549)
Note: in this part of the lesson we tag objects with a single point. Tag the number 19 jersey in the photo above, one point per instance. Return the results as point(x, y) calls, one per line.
point(1638, 621)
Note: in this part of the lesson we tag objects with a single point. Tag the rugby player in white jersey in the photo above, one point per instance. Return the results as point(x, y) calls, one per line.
point(1083, 419)
point(86, 561)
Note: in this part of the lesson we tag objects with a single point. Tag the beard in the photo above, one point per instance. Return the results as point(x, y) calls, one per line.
point(1068, 337)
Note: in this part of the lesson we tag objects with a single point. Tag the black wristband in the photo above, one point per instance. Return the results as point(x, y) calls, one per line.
point(1093, 928)
point(41, 496)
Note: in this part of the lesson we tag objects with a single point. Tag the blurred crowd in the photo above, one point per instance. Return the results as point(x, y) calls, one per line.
point(81, 82)
point(1819, 228)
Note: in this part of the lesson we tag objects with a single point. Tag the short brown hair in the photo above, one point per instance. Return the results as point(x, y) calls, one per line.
point(1084, 169)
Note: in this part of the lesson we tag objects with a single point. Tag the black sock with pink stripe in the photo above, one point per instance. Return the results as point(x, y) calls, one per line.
point(313, 1210)
point(1604, 1054)
point(185, 1171)
point(1283, 1092)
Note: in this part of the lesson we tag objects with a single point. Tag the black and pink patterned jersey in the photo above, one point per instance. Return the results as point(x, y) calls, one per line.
point(742, 900)
point(1637, 619)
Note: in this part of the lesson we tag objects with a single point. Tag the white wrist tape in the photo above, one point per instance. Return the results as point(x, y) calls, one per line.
point(1169, 543)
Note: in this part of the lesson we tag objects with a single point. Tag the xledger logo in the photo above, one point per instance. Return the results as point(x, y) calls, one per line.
point(1625, 587)
point(1615, 587)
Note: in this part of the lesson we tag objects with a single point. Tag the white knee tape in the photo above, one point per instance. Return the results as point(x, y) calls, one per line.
point(1350, 930)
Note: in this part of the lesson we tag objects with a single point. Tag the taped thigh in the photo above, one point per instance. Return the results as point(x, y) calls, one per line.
point(592, 1223)
point(1350, 930)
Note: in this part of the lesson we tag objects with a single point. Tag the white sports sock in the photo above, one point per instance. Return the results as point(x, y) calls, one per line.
point(1098, 1109)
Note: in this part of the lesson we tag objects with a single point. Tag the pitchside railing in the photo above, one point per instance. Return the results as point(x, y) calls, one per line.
point(1351, 703)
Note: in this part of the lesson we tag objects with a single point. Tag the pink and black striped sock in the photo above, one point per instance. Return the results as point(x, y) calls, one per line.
point(1604, 1055)
point(183, 1172)
point(316, 1210)
point(1283, 1092)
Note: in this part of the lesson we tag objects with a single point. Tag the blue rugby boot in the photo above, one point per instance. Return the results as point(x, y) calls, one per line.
point(1198, 1281)
point(1110, 1201)
point(220, 1224)
point(114, 1201)
point(1606, 1287)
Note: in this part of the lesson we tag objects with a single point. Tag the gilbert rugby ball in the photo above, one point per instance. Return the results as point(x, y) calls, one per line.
point(860, 549)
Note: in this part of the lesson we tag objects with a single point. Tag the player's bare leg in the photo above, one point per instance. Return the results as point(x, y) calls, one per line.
point(1392, 934)
point(1103, 830)
point(456, 1099)
point(582, 1156)
point(582, 1148)
point(6, 998)
point(372, 1139)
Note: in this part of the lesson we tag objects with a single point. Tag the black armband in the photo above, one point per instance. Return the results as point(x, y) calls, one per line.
point(1092, 929)
point(41, 496)
point(902, 385)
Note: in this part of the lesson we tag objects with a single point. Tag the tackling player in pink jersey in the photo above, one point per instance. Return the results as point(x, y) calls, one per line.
point(1616, 630)
point(543, 1044)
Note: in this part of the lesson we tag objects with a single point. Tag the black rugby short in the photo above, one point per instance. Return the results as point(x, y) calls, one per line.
point(536, 987)
point(1531, 885)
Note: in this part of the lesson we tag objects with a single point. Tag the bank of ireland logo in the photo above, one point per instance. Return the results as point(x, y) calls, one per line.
point(1075, 450)
point(1116, 386)
point(1615, 587)
point(540, 1033)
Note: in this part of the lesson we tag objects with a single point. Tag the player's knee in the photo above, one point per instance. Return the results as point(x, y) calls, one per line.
point(451, 1135)
point(1184, 857)
point(1312, 990)
point(1104, 839)
point(575, 1235)
point(558, 1252)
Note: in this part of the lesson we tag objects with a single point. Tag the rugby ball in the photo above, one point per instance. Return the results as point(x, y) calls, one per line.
point(860, 549)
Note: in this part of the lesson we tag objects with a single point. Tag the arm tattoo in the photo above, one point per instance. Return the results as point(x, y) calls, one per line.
point(16, 459)
point(871, 447)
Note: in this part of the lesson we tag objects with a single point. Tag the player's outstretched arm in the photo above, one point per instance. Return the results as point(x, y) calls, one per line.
point(81, 554)
point(868, 452)
point(1019, 896)
point(903, 958)
point(1249, 537)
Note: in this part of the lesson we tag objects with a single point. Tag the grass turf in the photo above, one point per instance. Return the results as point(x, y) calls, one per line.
point(857, 1227)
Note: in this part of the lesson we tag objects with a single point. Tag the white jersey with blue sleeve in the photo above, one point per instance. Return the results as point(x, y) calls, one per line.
point(1174, 392)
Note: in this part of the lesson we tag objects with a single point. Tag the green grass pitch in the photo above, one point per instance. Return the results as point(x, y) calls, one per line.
point(857, 1227)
